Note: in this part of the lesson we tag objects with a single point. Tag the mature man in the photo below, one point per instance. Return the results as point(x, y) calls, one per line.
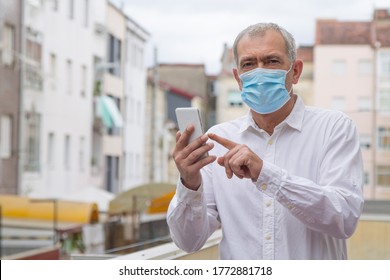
point(287, 183)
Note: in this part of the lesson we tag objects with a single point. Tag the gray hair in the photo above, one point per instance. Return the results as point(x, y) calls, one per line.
point(259, 29)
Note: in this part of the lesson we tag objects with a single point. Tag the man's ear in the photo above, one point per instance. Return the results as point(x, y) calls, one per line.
point(236, 76)
point(297, 70)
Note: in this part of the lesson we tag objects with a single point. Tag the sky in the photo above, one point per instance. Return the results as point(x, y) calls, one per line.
point(195, 31)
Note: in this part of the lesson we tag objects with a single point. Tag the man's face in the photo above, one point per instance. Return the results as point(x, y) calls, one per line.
point(267, 51)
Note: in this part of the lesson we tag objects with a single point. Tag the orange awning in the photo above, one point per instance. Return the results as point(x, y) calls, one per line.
point(160, 204)
point(137, 200)
point(44, 209)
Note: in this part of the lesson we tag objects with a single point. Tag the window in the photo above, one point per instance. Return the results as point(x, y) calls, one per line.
point(338, 103)
point(71, 9)
point(339, 67)
point(384, 138)
point(69, 76)
point(137, 166)
point(54, 5)
point(67, 152)
point(83, 81)
point(112, 173)
point(364, 104)
point(139, 112)
point(8, 45)
point(131, 110)
point(383, 175)
point(131, 165)
point(384, 100)
point(50, 151)
point(86, 13)
point(114, 130)
point(365, 141)
point(81, 154)
point(141, 58)
point(34, 78)
point(366, 178)
point(53, 66)
point(234, 99)
point(5, 137)
point(134, 54)
point(384, 67)
point(32, 140)
point(114, 55)
point(364, 67)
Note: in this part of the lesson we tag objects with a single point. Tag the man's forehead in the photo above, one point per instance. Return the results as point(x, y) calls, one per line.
point(269, 40)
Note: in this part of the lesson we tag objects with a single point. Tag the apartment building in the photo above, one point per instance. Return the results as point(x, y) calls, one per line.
point(135, 73)
point(57, 97)
point(10, 49)
point(77, 112)
point(352, 74)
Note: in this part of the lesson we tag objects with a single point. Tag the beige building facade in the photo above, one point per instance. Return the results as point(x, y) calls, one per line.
point(352, 74)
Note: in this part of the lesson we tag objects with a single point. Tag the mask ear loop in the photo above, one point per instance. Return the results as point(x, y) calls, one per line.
point(290, 67)
point(289, 92)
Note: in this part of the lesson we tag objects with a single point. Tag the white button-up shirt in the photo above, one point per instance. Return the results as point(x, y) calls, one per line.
point(305, 203)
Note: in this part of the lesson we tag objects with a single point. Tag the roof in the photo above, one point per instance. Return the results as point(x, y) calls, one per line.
point(176, 90)
point(383, 35)
point(305, 53)
point(332, 32)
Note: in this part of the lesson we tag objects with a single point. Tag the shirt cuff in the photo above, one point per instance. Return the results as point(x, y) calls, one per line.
point(270, 179)
point(188, 196)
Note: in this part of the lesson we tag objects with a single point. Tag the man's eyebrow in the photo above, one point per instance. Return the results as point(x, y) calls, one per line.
point(247, 58)
point(270, 56)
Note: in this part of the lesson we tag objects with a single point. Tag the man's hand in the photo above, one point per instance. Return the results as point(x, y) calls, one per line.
point(239, 160)
point(189, 157)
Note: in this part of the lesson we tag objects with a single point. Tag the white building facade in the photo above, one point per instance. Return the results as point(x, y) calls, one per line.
point(58, 121)
point(82, 58)
point(134, 106)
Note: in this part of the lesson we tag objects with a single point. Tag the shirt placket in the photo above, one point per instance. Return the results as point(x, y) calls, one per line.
point(268, 208)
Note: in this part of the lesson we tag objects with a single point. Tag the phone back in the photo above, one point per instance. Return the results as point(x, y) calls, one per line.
point(189, 115)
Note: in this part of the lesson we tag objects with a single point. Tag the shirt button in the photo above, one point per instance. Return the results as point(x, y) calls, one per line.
point(290, 206)
point(270, 142)
point(264, 187)
point(268, 237)
point(268, 203)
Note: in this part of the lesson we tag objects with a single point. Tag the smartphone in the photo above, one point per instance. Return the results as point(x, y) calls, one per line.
point(190, 115)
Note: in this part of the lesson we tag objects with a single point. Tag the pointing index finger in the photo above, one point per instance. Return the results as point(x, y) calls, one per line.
point(223, 141)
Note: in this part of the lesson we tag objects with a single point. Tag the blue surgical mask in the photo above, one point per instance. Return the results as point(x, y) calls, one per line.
point(264, 90)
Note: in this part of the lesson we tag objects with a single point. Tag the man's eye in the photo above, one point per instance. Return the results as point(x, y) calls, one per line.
point(246, 65)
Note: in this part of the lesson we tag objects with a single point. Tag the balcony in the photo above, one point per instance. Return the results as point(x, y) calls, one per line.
point(371, 241)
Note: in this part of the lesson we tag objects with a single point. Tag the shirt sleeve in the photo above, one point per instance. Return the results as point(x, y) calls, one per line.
point(333, 204)
point(192, 216)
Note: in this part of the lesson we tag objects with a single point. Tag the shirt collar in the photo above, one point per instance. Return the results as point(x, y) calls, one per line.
point(294, 119)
